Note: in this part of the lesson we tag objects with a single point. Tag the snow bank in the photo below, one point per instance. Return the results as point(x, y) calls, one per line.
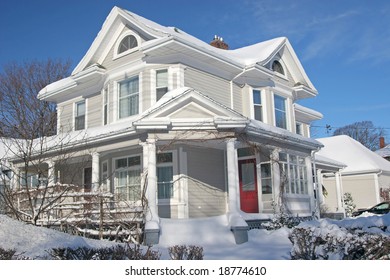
point(34, 242)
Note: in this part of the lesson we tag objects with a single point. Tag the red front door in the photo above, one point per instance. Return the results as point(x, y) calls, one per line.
point(248, 186)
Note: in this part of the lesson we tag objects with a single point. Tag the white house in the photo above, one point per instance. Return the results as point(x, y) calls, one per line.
point(363, 173)
point(202, 131)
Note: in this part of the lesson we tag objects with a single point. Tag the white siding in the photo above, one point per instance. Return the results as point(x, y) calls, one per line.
point(206, 182)
point(214, 87)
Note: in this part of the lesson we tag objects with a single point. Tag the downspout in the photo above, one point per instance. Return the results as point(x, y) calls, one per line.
point(316, 199)
point(231, 87)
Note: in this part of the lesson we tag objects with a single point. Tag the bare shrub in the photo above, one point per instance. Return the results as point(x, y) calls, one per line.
point(183, 252)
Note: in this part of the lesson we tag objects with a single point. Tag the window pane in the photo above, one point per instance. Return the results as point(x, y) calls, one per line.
point(164, 157)
point(121, 163)
point(256, 97)
point(245, 152)
point(133, 161)
point(127, 43)
point(281, 119)
point(280, 103)
point(80, 109)
point(265, 170)
point(162, 78)
point(160, 92)
point(165, 182)
point(258, 113)
point(266, 185)
point(248, 176)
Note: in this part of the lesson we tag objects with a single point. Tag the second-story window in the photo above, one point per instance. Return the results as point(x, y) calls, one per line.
point(257, 105)
point(79, 120)
point(161, 83)
point(280, 111)
point(128, 97)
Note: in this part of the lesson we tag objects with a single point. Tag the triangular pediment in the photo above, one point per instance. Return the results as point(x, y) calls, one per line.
point(293, 68)
point(186, 105)
point(117, 22)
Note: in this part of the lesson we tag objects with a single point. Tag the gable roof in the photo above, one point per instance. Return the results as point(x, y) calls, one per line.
point(158, 36)
point(357, 157)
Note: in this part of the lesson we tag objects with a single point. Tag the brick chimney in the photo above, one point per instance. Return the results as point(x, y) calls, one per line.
point(219, 43)
point(381, 142)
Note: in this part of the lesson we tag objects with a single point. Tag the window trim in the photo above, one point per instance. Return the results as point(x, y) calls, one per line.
point(129, 51)
point(75, 104)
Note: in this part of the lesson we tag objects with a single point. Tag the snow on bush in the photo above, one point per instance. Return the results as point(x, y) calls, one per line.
point(363, 238)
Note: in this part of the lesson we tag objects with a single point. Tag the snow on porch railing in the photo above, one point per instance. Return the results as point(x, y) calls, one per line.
point(70, 208)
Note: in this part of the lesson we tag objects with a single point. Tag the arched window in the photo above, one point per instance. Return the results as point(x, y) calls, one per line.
point(277, 67)
point(127, 43)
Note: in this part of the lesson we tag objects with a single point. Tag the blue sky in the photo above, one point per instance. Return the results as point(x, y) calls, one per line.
point(342, 44)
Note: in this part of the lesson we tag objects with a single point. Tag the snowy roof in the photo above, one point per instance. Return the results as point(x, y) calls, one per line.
point(384, 152)
point(159, 35)
point(357, 157)
point(325, 161)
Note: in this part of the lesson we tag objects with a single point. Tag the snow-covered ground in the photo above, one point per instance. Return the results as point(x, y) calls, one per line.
point(222, 255)
point(211, 233)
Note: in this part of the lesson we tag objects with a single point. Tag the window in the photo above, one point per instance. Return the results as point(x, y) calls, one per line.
point(277, 67)
point(161, 83)
point(280, 112)
point(165, 175)
point(294, 174)
point(128, 178)
point(128, 97)
point(258, 108)
point(79, 121)
point(266, 178)
point(105, 106)
point(127, 43)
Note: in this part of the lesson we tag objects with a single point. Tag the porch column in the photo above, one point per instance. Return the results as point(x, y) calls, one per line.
point(315, 199)
point(237, 223)
point(152, 227)
point(233, 183)
point(51, 178)
point(339, 194)
point(276, 179)
point(95, 172)
point(320, 182)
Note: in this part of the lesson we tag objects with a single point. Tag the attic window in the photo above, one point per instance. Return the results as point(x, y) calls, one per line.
point(129, 42)
point(277, 67)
